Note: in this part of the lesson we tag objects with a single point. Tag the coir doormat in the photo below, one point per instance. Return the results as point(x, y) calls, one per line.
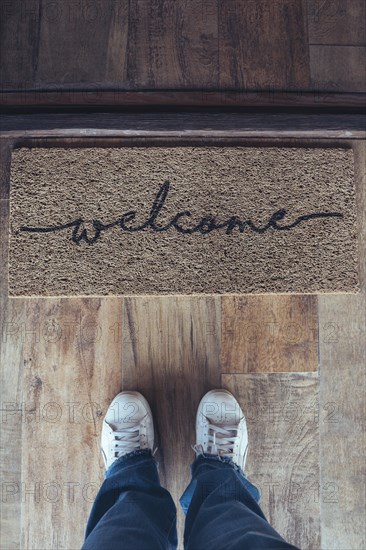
point(182, 220)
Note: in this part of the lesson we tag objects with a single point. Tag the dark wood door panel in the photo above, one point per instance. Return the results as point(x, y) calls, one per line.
point(159, 44)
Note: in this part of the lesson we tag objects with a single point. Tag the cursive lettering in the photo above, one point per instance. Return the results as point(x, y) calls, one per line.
point(205, 226)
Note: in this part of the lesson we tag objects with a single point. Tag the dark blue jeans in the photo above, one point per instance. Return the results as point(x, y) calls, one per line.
point(133, 512)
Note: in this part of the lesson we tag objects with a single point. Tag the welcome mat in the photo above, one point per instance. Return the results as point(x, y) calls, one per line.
point(182, 220)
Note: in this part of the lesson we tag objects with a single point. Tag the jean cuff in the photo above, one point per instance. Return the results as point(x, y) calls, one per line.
point(219, 463)
point(225, 461)
point(129, 459)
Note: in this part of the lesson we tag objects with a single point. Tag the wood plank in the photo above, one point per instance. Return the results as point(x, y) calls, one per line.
point(338, 68)
point(11, 373)
point(39, 41)
point(338, 22)
point(6, 147)
point(72, 371)
point(19, 43)
point(282, 417)
point(90, 97)
point(172, 44)
point(179, 142)
point(269, 334)
point(171, 356)
point(12, 316)
point(130, 45)
point(263, 45)
point(185, 125)
point(342, 399)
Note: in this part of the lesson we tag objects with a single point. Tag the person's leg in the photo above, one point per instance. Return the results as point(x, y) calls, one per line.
point(131, 510)
point(220, 503)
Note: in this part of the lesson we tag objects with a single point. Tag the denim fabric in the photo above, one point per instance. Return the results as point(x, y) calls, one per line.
point(223, 510)
point(213, 462)
point(133, 512)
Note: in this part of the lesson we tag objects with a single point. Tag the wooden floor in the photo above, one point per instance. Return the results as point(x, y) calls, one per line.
point(149, 46)
point(295, 363)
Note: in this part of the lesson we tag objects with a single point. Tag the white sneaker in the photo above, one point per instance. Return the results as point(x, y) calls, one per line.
point(221, 427)
point(128, 426)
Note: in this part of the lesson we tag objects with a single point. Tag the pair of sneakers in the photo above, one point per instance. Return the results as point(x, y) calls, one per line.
point(220, 427)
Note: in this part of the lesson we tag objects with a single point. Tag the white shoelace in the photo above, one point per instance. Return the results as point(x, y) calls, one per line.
point(126, 440)
point(221, 441)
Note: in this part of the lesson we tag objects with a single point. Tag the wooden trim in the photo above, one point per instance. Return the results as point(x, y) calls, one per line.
point(184, 125)
point(79, 142)
point(94, 97)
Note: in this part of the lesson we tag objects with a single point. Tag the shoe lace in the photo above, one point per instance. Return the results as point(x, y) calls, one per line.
point(126, 440)
point(221, 441)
